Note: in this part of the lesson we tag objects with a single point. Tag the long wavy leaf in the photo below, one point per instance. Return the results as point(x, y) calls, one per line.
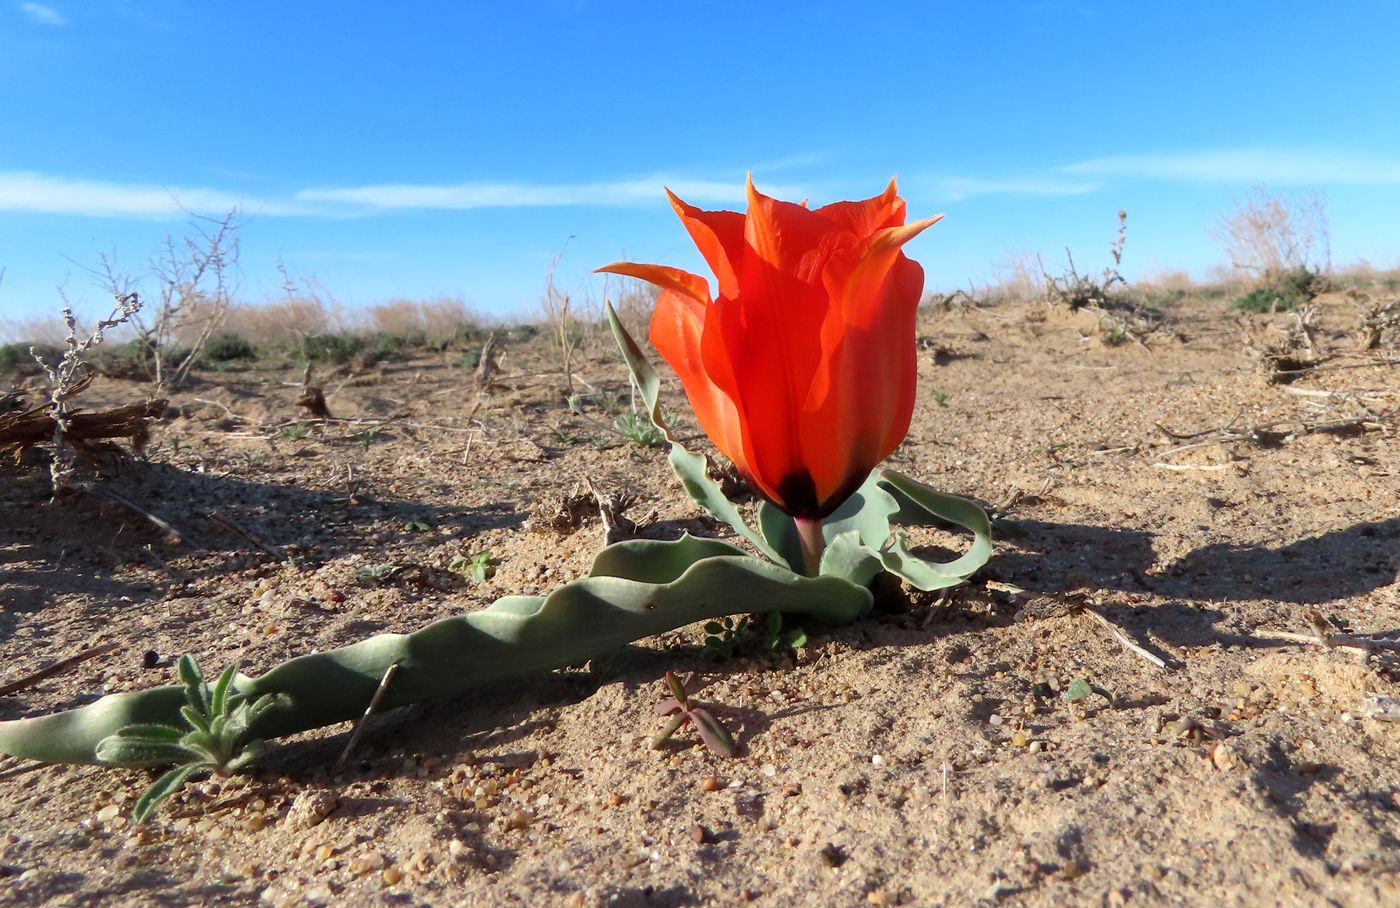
point(515, 637)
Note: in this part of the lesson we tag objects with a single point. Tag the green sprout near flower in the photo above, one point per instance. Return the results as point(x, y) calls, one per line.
point(477, 565)
point(684, 712)
point(722, 636)
point(215, 738)
point(638, 429)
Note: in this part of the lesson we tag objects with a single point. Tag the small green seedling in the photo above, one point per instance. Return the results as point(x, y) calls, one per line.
point(296, 431)
point(684, 712)
point(417, 526)
point(940, 398)
point(1081, 689)
point(215, 739)
point(378, 573)
point(476, 565)
point(722, 637)
point(775, 638)
point(367, 437)
point(637, 428)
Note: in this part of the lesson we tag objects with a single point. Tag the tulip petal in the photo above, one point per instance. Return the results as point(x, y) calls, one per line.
point(862, 395)
point(677, 332)
point(720, 238)
point(676, 280)
point(772, 335)
point(869, 215)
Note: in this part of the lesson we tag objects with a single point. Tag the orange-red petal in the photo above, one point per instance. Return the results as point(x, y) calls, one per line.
point(719, 235)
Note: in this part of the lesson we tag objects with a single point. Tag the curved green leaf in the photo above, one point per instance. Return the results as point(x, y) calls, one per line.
point(657, 561)
point(780, 532)
point(115, 750)
point(159, 792)
point(848, 558)
point(921, 504)
point(516, 637)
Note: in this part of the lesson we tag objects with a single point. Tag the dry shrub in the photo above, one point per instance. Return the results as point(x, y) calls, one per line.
point(1085, 291)
point(283, 323)
point(1017, 278)
point(1267, 235)
point(192, 281)
point(436, 323)
point(47, 331)
point(1167, 282)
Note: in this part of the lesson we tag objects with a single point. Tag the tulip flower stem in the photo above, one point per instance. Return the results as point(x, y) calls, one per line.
point(810, 532)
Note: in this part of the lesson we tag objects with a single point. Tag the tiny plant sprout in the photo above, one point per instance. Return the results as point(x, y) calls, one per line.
point(215, 738)
point(684, 712)
point(1081, 689)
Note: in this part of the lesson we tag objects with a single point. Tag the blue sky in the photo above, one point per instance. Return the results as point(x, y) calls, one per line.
point(422, 149)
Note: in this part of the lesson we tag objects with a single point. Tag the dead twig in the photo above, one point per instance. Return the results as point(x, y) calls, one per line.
point(1126, 641)
point(1192, 468)
point(9, 769)
point(232, 527)
point(1326, 636)
point(369, 710)
point(156, 520)
point(1381, 708)
point(54, 668)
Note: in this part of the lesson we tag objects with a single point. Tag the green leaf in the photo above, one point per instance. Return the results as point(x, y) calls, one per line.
point(677, 689)
point(691, 468)
point(713, 733)
point(658, 561)
point(920, 504)
point(517, 637)
point(168, 734)
point(196, 719)
point(246, 754)
point(847, 558)
point(115, 750)
point(219, 700)
point(672, 726)
point(868, 512)
point(195, 690)
point(1078, 689)
point(780, 532)
point(160, 792)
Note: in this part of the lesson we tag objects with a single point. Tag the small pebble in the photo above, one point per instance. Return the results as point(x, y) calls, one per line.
point(368, 862)
point(391, 876)
point(311, 807)
point(700, 835)
point(709, 783)
point(518, 819)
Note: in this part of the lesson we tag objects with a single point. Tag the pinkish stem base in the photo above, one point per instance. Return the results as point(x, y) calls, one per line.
point(810, 532)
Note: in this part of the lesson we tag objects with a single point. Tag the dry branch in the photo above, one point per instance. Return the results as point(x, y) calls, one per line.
point(23, 430)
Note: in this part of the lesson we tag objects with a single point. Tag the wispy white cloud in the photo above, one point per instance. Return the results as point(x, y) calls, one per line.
point(41, 193)
point(957, 189)
point(617, 194)
point(30, 191)
point(43, 14)
point(1244, 165)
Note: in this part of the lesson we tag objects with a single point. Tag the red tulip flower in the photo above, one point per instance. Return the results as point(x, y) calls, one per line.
point(801, 369)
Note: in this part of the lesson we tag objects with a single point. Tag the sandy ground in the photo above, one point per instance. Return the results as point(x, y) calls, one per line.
point(926, 756)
